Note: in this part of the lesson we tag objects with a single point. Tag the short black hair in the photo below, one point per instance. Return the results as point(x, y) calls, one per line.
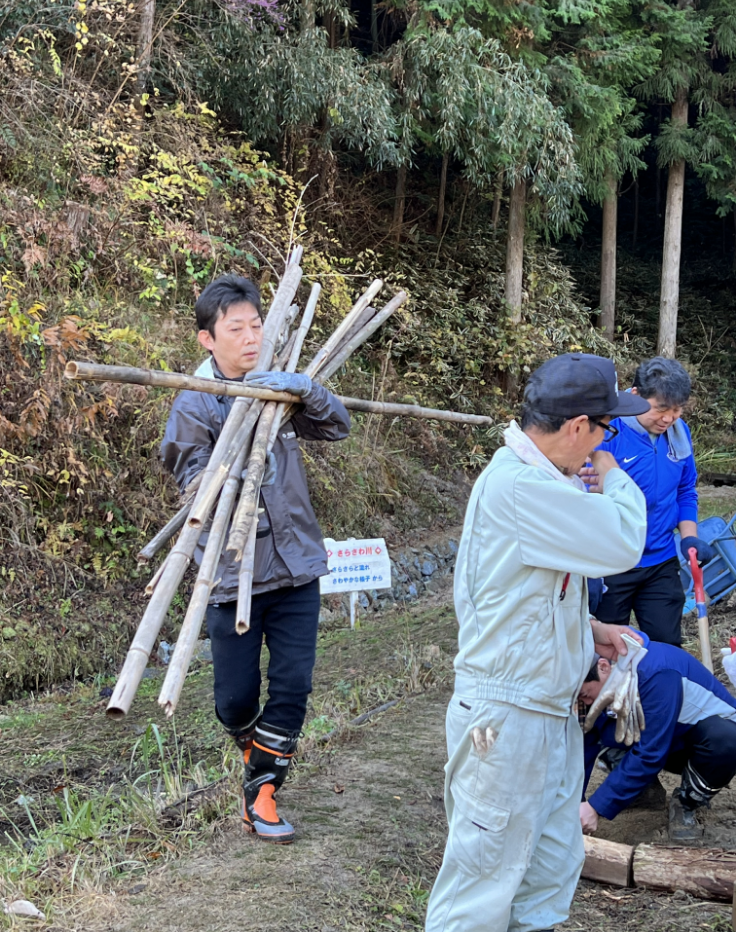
point(664, 379)
point(217, 297)
point(593, 674)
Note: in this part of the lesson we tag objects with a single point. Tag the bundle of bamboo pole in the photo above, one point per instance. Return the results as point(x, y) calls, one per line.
point(218, 502)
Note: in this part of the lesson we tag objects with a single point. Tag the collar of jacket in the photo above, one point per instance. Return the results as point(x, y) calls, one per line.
point(679, 446)
point(209, 370)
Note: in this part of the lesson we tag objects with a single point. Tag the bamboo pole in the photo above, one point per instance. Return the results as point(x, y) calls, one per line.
point(338, 359)
point(150, 625)
point(389, 409)
point(344, 327)
point(245, 577)
point(238, 389)
point(92, 372)
point(153, 582)
point(192, 624)
point(245, 580)
point(246, 512)
point(165, 534)
point(200, 511)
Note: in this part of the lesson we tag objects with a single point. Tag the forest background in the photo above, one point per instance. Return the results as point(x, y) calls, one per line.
point(520, 168)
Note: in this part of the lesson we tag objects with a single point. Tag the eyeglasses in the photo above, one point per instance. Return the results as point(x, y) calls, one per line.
point(610, 430)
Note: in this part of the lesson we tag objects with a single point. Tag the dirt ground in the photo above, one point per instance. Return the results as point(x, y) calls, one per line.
point(366, 802)
point(371, 827)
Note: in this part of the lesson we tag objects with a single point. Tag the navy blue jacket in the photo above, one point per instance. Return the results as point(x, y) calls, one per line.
point(668, 486)
point(676, 693)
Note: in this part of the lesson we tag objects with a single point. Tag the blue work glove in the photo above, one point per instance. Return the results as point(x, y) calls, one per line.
point(270, 471)
point(705, 552)
point(293, 382)
point(595, 594)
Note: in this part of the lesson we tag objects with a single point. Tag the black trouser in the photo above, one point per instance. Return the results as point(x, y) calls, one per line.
point(287, 618)
point(656, 596)
point(710, 749)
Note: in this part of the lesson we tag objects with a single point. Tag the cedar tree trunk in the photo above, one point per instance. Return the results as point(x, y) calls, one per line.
point(670, 293)
point(608, 260)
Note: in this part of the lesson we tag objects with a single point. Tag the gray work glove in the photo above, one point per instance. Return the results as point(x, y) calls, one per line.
point(270, 471)
point(293, 382)
point(621, 693)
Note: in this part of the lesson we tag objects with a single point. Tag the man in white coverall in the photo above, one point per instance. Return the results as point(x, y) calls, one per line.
point(532, 535)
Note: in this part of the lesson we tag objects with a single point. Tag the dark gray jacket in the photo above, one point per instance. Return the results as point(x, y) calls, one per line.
point(289, 548)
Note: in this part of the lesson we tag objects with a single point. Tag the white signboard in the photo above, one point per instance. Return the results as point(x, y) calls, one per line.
point(356, 565)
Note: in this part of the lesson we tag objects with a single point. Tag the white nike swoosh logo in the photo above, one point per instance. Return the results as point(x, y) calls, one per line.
point(630, 459)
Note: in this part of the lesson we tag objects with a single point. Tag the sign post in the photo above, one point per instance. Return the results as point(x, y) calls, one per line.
point(356, 565)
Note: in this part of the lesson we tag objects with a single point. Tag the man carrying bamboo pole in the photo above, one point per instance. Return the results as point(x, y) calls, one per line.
point(289, 556)
point(515, 771)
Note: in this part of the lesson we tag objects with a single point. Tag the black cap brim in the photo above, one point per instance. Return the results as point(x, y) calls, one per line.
point(628, 405)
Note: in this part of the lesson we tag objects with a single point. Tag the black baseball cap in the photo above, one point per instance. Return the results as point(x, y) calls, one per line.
point(580, 383)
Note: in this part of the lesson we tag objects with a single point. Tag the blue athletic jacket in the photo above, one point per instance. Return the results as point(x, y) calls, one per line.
point(668, 485)
point(676, 693)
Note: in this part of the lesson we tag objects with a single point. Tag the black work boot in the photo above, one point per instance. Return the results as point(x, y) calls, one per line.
point(243, 736)
point(692, 794)
point(270, 756)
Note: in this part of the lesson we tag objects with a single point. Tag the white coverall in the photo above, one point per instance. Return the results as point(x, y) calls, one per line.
point(515, 848)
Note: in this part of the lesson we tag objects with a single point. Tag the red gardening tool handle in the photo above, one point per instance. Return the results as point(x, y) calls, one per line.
point(697, 575)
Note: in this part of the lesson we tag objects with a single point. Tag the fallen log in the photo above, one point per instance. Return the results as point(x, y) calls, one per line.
point(708, 873)
point(97, 373)
point(608, 862)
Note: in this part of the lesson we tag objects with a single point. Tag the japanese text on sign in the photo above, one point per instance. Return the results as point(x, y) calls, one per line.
point(355, 565)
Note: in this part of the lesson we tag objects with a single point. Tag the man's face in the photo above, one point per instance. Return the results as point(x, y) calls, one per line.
point(660, 416)
point(591, 690)
point(582, 441)
point(237, 340)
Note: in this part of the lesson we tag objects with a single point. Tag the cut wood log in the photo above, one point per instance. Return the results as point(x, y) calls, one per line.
point(608, 862)
point(708, 873)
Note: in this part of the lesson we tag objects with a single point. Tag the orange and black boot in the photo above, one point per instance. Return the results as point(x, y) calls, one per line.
point(270, 756)
point(243, 737)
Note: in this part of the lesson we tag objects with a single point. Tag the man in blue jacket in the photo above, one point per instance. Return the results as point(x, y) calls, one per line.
point(690, 729)
point(656, 450)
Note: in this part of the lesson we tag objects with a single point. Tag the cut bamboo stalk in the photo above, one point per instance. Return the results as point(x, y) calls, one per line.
point(245, 577)
point(344, 327)
point(365, 318)
point(192, 624)
point(246, 512)
point(165, 534)
point(96, 373)
point(157, 576)
point(245, 580)
point(329, 368)
point(200, 511)
point(237, 389)
point(248, 504)
point(387, 409)
point(150, 625)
